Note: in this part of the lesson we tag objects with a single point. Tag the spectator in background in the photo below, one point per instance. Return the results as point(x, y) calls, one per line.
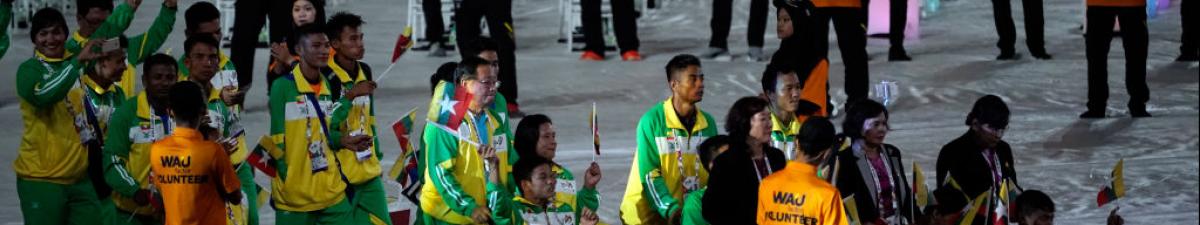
point(624, 26)
point(303, 12)
point(718, 46)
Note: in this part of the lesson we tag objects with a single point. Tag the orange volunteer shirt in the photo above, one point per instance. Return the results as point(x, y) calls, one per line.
point(192, 173)
point(795, 195)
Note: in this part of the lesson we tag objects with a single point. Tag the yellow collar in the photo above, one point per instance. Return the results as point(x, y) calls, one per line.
point(793, 127)
point(79, 38)
point(302, 84)
point(214, 94)
point(522, 200)
point(45, 58)
point(673, 118)
point(343, 75)
point(91, 84)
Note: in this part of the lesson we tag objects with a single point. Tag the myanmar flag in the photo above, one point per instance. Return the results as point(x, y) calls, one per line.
point(264, 154)
point(448, 106)
point(920, 190)
point(1115, 189)
point(405, 170)
point(978, 206)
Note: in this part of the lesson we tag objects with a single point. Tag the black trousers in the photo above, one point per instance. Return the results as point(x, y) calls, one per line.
point(852, 40)
point(251, 16)
point(1133, 36)
point(434, 26)
point(1034, 25)
point(1187, 11)
point(721, 13)
point(500, 27)
point(897, 20)
point(624, 25)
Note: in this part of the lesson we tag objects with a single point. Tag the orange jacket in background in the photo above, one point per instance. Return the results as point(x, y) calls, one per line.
point(837, 3)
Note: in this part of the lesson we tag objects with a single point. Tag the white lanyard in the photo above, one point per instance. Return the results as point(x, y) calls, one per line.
point(993, 165)
point(767, 162)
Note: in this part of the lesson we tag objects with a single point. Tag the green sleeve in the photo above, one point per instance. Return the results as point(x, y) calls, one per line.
point(145, 44)
point(500, 201)
point(40, 89)
point(649, 173)
point(114, 25)
point(586, 198)
point(337, 122)
point(116, 150)
point(442, 148)
point(5, 18)
point(277, 102)
point(692, 210)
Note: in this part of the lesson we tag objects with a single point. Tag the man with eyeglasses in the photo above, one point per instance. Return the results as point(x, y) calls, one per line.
point(464, 132)
point(978, 161)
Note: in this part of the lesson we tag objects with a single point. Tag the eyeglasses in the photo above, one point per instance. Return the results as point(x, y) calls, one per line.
point(490, 83)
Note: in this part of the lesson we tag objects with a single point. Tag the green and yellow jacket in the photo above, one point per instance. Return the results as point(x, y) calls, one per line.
point(50, 149)
point(309, 178)
point(140, 47)
point(131, 131)
point(666, 165)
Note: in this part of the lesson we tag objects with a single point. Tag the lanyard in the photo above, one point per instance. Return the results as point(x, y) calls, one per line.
point(757, 171)
point(312, 98)
point(993, 165)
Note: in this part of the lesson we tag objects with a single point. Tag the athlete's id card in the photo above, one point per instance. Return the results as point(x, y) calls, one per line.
point(316, 154)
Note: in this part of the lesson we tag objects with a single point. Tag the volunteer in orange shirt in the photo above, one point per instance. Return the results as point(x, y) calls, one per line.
point(194, 174)
point(795, 195)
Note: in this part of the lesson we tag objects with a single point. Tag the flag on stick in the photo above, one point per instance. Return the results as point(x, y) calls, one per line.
point(594, 124)
point(403, 43)
point(1115, 188)
point(405, 170)
point(921, 191)
point(264, 154)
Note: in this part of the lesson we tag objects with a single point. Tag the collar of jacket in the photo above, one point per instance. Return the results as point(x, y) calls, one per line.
point(673, 118)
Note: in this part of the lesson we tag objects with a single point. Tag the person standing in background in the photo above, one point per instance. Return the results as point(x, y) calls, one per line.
point(1002, 12)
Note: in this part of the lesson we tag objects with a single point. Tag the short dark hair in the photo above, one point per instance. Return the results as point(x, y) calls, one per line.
point(523, 169)
point(83, 6)
point(303, 32)
point(467, 68)
point(770, 77)
point(991, 110)
point(445, 72)
point(528, 133)
point(708, 149)
point(483, 44)
point(158, 59)
point(858, 113)
point(46, 18)
point(187, 102)
point(678, 63)
point(1032, 201)
point(192, 41)
point(340, 21)
point(816, 135)
point(200, 12)
point(737, 121)
point(949, 200)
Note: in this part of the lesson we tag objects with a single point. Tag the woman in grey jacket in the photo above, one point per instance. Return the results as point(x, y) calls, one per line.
point(872, 171)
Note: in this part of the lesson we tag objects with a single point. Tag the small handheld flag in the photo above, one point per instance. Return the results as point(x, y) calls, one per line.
point(920, 190)
point(264, 154)
point(1114, 189)
point(976, 206)
point(405, 170)
point(594, 124)
point(851, 208)
point(403, 43)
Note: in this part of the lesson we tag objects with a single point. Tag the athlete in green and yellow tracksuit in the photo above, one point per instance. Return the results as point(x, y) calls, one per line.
point(309, 187)
point(353, 116)
point(784, 136)
point(140, 46)
point(51, 163)
point(455, 183)
point(101, 98)
point(665, 166)
point(557, 212)
point(575, 197)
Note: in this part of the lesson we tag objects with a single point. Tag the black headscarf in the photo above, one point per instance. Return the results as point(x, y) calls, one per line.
point(799, 51)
